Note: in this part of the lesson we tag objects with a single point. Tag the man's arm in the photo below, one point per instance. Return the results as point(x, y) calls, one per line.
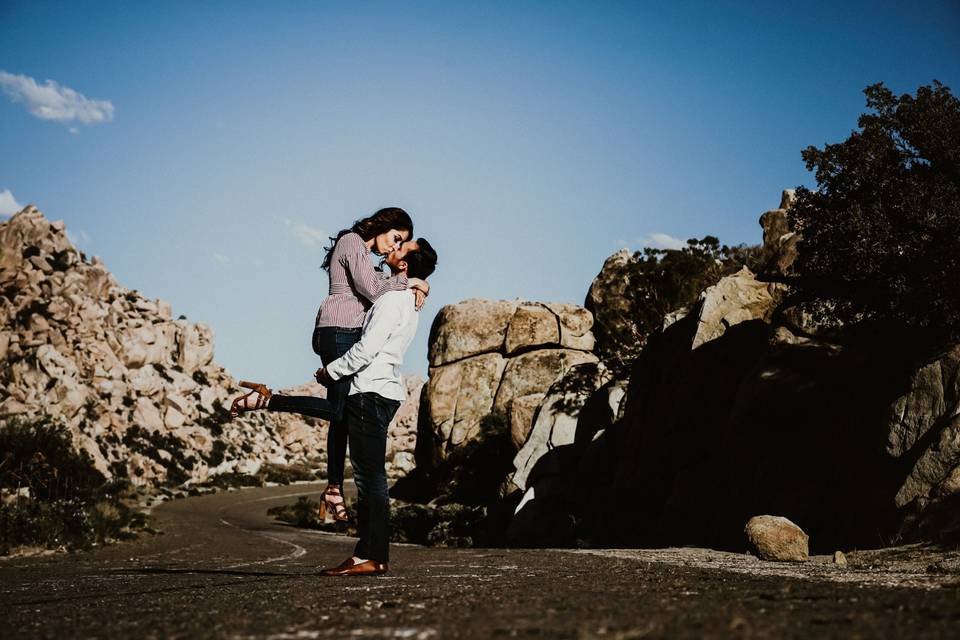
point(386, 316)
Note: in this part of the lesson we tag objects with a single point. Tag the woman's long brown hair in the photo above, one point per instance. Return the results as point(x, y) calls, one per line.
point(372, 226)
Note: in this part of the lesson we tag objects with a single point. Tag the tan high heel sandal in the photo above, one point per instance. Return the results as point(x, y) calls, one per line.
point(263, 395)
point(336, 511)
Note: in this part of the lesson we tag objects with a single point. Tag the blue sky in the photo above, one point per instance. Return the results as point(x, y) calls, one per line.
point(219, 140)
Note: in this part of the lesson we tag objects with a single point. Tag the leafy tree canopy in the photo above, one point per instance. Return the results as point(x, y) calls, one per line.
point(880, 243)
point(661, 281)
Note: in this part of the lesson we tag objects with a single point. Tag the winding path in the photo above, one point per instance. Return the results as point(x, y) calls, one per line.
point(222, 568)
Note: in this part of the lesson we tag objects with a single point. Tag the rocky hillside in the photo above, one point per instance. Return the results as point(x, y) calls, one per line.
point(139, 390)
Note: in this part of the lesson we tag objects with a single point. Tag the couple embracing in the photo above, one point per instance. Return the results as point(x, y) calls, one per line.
point(363, 330)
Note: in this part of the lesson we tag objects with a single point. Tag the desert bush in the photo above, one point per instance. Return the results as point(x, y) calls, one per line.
point(52, 496)
point(40, 457)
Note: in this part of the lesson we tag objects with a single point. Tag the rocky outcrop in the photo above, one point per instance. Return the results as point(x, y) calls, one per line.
point(779, 239)
point(139, 390)
point(735, 299)
point(611, 299)
point(495, 357)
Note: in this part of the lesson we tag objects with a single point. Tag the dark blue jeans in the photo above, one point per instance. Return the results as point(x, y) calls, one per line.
point(329, 343)
point(367, 416)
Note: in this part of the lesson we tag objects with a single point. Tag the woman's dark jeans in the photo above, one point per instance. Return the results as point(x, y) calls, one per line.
point(329, 343)
point(367, 416)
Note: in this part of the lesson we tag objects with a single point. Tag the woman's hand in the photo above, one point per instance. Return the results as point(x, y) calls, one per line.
point(421, 289)
point(323, 377)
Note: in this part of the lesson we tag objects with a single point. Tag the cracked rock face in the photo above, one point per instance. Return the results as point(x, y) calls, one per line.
point(497, 356)
point(138, 390)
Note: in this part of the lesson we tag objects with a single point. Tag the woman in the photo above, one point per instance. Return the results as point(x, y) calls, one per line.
point(354, 286)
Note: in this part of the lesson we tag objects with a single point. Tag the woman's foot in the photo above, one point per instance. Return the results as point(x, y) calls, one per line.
point(332, 504)
point(257, 398)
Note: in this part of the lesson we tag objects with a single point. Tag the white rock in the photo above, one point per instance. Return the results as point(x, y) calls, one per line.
point(147, 415)
point(173, 418)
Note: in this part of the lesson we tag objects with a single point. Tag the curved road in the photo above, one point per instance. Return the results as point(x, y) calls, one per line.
point(222, 568)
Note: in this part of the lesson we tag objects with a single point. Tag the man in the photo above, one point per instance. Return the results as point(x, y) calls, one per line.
point(376, 392)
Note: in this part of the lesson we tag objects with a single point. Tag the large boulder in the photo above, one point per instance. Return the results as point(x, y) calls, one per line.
point(534, 372)
point(469, 328)
point(458, 396)
point(777, 539)
point(495, 358)
point(735, 299)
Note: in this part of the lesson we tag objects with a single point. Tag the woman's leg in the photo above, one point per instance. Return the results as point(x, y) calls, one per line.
point(330, 343)
point(305, 405)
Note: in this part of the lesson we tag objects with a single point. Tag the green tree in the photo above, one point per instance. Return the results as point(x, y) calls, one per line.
point(880, 245)
point(656, 282)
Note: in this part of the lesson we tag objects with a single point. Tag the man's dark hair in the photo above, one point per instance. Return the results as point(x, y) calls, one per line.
point(422, 262)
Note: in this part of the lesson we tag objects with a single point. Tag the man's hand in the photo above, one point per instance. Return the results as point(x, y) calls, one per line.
point(323, 377)
point(420, 298)
point(421, 289)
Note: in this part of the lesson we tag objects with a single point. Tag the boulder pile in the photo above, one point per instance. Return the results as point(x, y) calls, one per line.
point(496, 357)
point(139, 390)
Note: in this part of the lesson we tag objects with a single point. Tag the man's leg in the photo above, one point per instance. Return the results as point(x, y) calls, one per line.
point(368, 415)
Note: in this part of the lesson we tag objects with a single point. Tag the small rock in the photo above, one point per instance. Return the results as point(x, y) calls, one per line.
point(839, 559)
point(404, 462)
point(776, 538)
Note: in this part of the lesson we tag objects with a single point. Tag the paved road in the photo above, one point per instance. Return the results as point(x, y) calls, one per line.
point(223, 569)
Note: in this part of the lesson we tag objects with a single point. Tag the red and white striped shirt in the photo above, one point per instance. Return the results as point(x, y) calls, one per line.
point(354, 284)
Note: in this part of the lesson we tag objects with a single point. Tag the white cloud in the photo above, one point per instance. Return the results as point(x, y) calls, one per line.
point(52, 101)
point(8, 204)
point(222, 259)
point(78, 237)
point(309, 236)
point(661, 241)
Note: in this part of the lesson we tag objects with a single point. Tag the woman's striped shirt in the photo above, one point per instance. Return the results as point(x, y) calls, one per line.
point(354, 284)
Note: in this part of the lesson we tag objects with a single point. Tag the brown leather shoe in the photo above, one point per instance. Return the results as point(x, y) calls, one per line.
point(365, 568)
